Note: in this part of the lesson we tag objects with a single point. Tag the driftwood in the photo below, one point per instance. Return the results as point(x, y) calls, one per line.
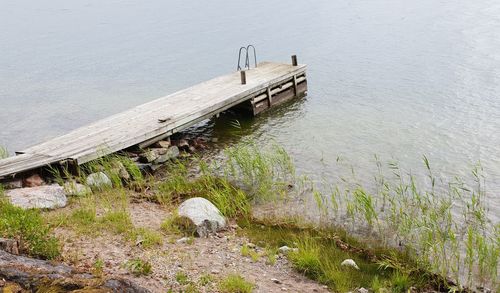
point(34, 275)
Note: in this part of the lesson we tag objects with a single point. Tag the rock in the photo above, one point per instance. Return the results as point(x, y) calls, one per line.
point(350, 263)
point(215, 272)
point(285, 249)
point(250, 245)
point(120, 170)
point(40, 275)
point(183, 240)
point(145, 168)
point(98, 181)
point(183, 145)
point(42, 197)
point(214, 139)
point(33, 181)
point(162, 144)
point(13, 184)
point(203, 214)
point(192, 150)
point(362, 290)
point(159, 151)
point(71, 188)
point(172, 153)
point(276, 281)
point(148, 156)
point(9, 245)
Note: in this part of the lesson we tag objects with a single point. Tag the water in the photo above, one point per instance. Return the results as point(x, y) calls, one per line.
point(395, 78)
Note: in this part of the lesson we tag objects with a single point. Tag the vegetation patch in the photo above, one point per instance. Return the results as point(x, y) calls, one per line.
point(317, 255)
point(29, 228)
point(235, 284)
point(139, 267)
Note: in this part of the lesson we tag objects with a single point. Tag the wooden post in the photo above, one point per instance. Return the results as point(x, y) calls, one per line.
point(243, 77)
point(269, 96)
point(295, 85)
point(294, 60)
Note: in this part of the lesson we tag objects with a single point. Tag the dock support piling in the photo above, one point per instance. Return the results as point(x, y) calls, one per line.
point(243, 77)
point(294, 60)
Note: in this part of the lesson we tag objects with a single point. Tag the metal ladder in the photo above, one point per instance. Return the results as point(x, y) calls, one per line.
point(247, 58)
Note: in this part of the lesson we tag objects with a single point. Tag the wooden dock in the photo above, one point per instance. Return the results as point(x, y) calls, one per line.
point(266, 85)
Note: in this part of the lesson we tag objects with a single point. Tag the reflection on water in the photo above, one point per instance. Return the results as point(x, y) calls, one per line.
point(395, 78)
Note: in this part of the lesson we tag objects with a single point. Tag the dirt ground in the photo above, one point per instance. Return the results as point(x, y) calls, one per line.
point(217, 256)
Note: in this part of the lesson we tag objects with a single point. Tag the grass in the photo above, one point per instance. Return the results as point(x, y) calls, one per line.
point(205, 279)
point(235, 284)
point(4, 153)
point(319, 257)
point(249, 252)
point(30, 229)
point(139, 267)
point(442, 226)
point(182, 278)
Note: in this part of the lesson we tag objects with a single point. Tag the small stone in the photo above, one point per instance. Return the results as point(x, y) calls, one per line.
point(9, 245)
point(148, 156)
point(215, 272)
point(172, 153)
point(145, 168)
point(71, 188)
point(362, 290)
point(120, 170)
point(276, 281)
point(41, 197)
point(192, 150)
point(98, 181)
point(350, 263)
point(284, 289)
point(13, 184)
point(214, 139)
point(162, 144)
point(183, 145)
point(285, 249)
point(183, 240)
point(250, 245)
point(159, 151)
point(33, 181)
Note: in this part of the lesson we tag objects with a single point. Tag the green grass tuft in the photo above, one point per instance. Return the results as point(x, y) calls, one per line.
point(29, 228)
point(235, 284)
point(139, 267)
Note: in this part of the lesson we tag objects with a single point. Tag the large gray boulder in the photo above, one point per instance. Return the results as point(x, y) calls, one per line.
point(203, 214)
point(98, 181)
point(42, 197)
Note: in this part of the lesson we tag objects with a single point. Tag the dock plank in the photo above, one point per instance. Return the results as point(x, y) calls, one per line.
point(180, 109)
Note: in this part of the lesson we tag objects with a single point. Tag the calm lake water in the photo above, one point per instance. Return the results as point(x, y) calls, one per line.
point(395, 78)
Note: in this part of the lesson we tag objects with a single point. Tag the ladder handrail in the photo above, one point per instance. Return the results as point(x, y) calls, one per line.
point(247, 58)
point(254, 56)
point(239, 57)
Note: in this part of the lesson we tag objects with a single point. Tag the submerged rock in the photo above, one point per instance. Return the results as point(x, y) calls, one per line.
point(98, 180)
point(203, 214)
point(42, 197)
point(350, 263)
